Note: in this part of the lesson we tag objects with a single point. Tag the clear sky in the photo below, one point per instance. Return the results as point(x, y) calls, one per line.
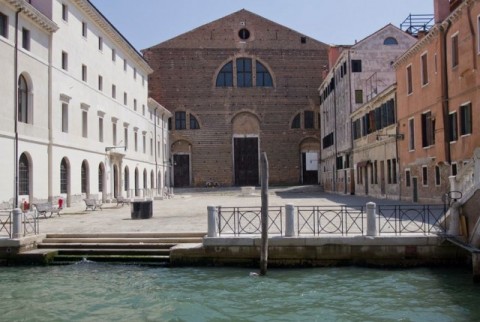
point(146, 23)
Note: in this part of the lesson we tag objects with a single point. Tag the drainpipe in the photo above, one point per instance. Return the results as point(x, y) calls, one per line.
point(445, 98)
point(50, 121)
point(335, 128)
point(15, 113)
point(156, 143)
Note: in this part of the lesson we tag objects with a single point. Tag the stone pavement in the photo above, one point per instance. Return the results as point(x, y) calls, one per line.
point(187, 210)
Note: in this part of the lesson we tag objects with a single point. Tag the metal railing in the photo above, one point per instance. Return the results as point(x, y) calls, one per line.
point(336, 220)
point(28, 222)
point(326, 220)
point(246, 220)
point(411, 219)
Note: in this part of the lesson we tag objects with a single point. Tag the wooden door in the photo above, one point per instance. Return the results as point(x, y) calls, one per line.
point(181, 170)
point(246, 161)
point(309, 170)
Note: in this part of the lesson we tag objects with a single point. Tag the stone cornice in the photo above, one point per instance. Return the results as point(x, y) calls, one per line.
point(35, 15)
point(113, 33)
point(418, 46)
point(154, 104)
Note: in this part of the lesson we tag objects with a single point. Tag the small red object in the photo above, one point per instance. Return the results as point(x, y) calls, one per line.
point(26, 205)
point(60, 203)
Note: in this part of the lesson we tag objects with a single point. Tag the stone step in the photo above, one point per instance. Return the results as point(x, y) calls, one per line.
point(130, 235)
point(151, 260)
point(113, 252)
point(80, 245)
point(118, 240)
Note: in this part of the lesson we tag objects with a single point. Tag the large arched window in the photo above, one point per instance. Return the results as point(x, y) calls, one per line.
point(194, 123)
point(152, 179)
point(63, 176)
point(137, 192)
point(24, 175)
point(84, 176)
point(296, 122)
point(264, 79)
point(225, 77)
point(22, 100)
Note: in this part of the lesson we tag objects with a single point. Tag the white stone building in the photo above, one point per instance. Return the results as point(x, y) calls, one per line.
point(86, 127)
point(357, 74)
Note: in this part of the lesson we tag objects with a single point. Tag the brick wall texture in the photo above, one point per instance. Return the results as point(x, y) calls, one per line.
point(184, 79)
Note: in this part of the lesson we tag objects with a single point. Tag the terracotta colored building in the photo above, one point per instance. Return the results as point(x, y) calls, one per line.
point(236, 87)
point(438, 95)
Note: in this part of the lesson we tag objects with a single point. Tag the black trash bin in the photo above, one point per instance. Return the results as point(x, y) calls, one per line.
point(141, 209)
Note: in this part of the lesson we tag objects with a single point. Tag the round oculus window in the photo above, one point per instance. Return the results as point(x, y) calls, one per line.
point(244, 34)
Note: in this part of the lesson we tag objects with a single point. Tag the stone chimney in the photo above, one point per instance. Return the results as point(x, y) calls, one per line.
point(441, 9)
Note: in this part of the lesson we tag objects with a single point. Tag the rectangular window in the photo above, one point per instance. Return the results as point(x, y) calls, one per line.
point(151, 146)
point(125, 65)
point(114, 91)
point(3, 25)
point(359, 96)
point(356, 66)
point(143, 109)
point(114, 133)
point(125, 137)
point(65, 117)
point(114, 55)
point(452, 121)
point(409, 80)
point(25, 39)
point(454, 169)
point(135, 138)
point(64, 12)
point(425, 175)
point(407, 178)
point(100, 129)
point(454, 51)
point(100, 43)
point(394, 171)
point(84, 73)
point(437, 175)
point(134, 104)
point(125, 98)
point(64, 60)
point(411, 134)
point(144, 144)
point(100, 83)
point(389, 171)
point(309, 120)
point(180, 121)
point(466, 119)
point(84, 124)
point(424, 69)
point(84, 29)
point(428, 130)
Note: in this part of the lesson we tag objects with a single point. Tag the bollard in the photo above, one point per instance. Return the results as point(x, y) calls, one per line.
point(17, 223)
point(290, 220)
point(212, 221)
point(371, 219)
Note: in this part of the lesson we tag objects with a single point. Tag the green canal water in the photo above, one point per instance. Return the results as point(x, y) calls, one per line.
point(96, 292)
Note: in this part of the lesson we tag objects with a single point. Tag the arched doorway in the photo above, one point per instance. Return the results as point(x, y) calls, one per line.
point(85, 179)
point(101, 180)
point(145, 183)
point(25, 177)
point(127, 181)
point(115, 181)
point(65, 181)
point(136, 183)
point(246, 145)
point(152, 180)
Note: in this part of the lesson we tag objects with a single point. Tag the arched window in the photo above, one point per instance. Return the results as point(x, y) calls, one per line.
point(127, 179)
point(24, 175)
point(296, 122)
point(152, 179)
point(244, 72)
point(63, 176)
point(136, 183)
point(225, 76)
point(390, 41)
point(84, 176)
point(22, 100)
point(145, 179)
point(264, 79)
point(194, 123)
point(101, 176)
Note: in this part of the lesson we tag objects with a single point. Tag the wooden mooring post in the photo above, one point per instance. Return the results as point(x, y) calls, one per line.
point(264, 216)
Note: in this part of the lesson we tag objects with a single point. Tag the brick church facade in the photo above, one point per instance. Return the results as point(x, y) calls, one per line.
point(236, 87)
